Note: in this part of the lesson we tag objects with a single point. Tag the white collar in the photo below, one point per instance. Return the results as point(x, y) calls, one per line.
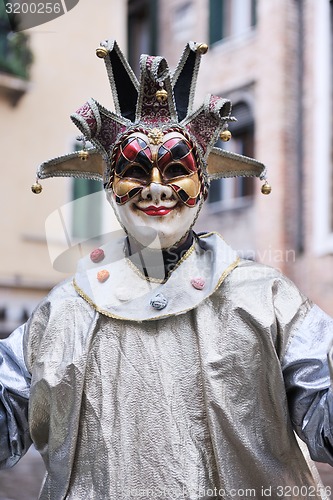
point(128, 295)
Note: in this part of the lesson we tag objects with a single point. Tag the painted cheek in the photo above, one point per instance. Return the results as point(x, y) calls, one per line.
point(189, 184)
point(122, 187)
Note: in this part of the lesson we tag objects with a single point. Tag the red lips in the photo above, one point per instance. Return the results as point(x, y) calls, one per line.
point(156, 211)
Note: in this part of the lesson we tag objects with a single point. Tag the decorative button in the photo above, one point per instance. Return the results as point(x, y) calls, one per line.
point(103, 275)
point(198, 283)
point(97, 255)
point(159, 301)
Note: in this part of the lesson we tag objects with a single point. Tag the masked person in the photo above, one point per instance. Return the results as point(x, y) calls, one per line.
point(168, 367)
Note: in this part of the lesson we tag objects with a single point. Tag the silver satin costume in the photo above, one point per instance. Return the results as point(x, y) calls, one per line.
point(199, 399)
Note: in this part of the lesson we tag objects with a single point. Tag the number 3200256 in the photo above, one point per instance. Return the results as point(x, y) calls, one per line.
point(33, 8)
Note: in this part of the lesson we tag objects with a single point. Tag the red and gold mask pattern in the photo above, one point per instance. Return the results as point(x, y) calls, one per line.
point(168, 159)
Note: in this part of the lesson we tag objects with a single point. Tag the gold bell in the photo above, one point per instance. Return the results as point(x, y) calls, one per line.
point(266, 188)
point(36, 188)
point(101, 52)
point(202, 48)
point(161, 95)
point(225, 135)
point(83, 155)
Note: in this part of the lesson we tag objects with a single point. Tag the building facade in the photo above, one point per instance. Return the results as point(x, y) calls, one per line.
point(273, 59)
point(35, 126)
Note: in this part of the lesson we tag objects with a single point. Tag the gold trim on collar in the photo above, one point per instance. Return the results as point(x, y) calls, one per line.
point(226, 272)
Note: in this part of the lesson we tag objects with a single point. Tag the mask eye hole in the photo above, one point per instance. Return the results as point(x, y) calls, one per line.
point(135, 171)
point(175, 170)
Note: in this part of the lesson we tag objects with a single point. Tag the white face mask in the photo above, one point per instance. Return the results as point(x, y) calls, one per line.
point(156, 218)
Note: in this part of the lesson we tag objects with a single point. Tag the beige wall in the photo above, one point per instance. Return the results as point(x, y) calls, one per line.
point(65, 73)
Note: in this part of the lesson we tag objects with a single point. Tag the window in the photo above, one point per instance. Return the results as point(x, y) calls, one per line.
point(235, 192)
point(230, 18)
point(142, 30)
point(86, 209)
point(15, 54)
point(322, 146)
point(86, 222)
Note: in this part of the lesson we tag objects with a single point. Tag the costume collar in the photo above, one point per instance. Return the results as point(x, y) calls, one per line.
point(171, 257)
point(117, 289)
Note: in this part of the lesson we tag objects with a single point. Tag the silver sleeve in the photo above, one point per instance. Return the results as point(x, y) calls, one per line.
point(307, 379)
point(14, 396)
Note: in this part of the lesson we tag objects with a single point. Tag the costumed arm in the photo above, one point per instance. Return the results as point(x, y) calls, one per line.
point(307, 379)
point(330, 362)
point(14, 396)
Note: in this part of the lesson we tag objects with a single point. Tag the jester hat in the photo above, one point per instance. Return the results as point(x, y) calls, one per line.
point(157, 104)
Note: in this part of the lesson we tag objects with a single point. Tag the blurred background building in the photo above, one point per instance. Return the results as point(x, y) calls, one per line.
point(46, 73)
point(272, 58)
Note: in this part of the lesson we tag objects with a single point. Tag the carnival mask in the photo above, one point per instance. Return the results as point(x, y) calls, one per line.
point(156, 187)
point(157, 174)
point(156, 158)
